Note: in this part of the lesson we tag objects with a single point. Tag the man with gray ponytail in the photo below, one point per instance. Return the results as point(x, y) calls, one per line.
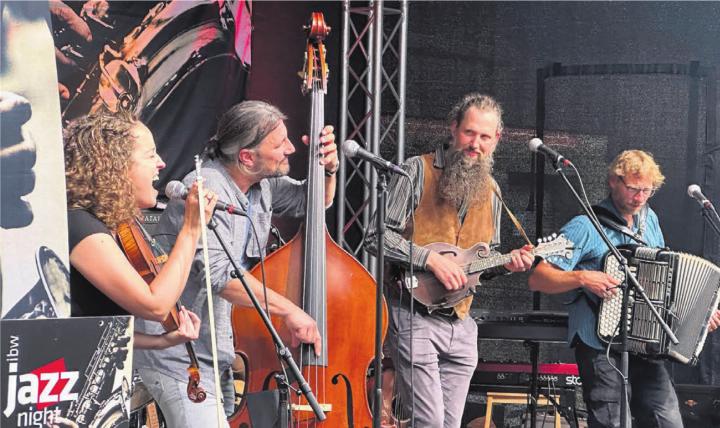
point(246, 164)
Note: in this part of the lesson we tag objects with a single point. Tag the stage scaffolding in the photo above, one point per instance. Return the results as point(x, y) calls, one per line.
point(372, 109)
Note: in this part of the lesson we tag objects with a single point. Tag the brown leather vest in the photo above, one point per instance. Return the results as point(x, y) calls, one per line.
point(436, 220)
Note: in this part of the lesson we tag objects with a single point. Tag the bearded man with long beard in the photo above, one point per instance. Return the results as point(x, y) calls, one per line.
point(455, 202)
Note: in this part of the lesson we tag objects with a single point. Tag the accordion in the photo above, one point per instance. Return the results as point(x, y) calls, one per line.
point(684, 290)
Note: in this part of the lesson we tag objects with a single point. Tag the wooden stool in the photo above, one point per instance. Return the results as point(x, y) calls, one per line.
point(515, 398)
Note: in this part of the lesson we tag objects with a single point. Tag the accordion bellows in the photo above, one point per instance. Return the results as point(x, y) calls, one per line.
point(684, 290)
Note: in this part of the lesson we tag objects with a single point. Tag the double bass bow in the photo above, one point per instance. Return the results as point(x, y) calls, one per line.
point(326, 282)
point(147, 257)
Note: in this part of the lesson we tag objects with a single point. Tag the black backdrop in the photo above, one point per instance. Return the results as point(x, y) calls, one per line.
point(458, 47)
point(497, 47)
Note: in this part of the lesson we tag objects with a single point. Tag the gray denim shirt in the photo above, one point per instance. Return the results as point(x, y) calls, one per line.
point(281, 196)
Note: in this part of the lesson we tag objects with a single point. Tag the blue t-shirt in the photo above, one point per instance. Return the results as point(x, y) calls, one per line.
point(588, 253)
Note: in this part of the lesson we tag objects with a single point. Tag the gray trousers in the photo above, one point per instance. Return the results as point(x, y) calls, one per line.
point(176, 407)
point(445, 356)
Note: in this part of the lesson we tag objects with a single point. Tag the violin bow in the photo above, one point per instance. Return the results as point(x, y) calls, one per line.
point(211, 313)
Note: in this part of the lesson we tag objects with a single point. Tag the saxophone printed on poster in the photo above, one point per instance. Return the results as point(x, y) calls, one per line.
point(76, 368)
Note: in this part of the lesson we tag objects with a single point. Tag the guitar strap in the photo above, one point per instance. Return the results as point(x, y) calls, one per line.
point(514, 219)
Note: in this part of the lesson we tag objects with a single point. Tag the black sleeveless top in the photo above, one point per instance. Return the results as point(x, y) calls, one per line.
point(86, 300)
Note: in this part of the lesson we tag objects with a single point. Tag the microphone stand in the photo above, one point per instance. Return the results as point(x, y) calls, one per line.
point(630, 282)
point(710, 215)
point(381, 187)
point(283, 351)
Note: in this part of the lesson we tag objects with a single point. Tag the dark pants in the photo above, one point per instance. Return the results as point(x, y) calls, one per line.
point(653, 402)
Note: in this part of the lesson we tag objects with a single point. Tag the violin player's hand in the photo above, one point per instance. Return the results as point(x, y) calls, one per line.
point(192, 213)
point(188, 328)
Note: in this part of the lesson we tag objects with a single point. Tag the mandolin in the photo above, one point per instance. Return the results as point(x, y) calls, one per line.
point(475, 260)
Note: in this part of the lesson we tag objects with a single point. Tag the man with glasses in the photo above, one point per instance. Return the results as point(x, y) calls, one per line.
point(633, 177)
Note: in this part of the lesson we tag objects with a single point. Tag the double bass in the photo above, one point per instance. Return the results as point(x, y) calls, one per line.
point(326, 282)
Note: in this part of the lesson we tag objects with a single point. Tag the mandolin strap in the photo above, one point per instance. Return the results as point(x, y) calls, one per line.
point(514, 219)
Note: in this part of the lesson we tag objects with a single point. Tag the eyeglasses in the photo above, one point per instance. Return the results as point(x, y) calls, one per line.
point(648, 191)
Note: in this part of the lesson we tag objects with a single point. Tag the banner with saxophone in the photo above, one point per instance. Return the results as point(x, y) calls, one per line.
point(178, 65)
point(33, 223)
point(72, 372)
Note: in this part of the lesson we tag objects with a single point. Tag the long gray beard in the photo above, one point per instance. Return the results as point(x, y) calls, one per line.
point(464, 178)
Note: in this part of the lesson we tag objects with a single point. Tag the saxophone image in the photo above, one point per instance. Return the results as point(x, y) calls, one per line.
point(109, 356)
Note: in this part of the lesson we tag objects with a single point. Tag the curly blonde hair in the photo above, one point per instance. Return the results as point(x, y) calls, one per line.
point(98, 150)
point(636, 162)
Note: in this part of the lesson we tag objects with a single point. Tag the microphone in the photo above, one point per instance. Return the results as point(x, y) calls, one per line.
point(536, 145)
point(352, 149)
point(695, 193)
point(176, 190)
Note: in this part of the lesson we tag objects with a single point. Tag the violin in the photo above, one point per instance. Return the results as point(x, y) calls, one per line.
point(147, 258)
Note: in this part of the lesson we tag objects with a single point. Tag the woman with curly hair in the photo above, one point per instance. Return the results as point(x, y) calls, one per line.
point(110, 166)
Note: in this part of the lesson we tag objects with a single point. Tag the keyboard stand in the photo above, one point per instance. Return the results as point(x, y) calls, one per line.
point(571, 418)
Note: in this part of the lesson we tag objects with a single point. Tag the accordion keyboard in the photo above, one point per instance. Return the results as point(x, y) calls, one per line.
point(682, 287)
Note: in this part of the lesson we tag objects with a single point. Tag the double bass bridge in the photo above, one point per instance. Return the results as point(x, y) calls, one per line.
point(326, 407)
